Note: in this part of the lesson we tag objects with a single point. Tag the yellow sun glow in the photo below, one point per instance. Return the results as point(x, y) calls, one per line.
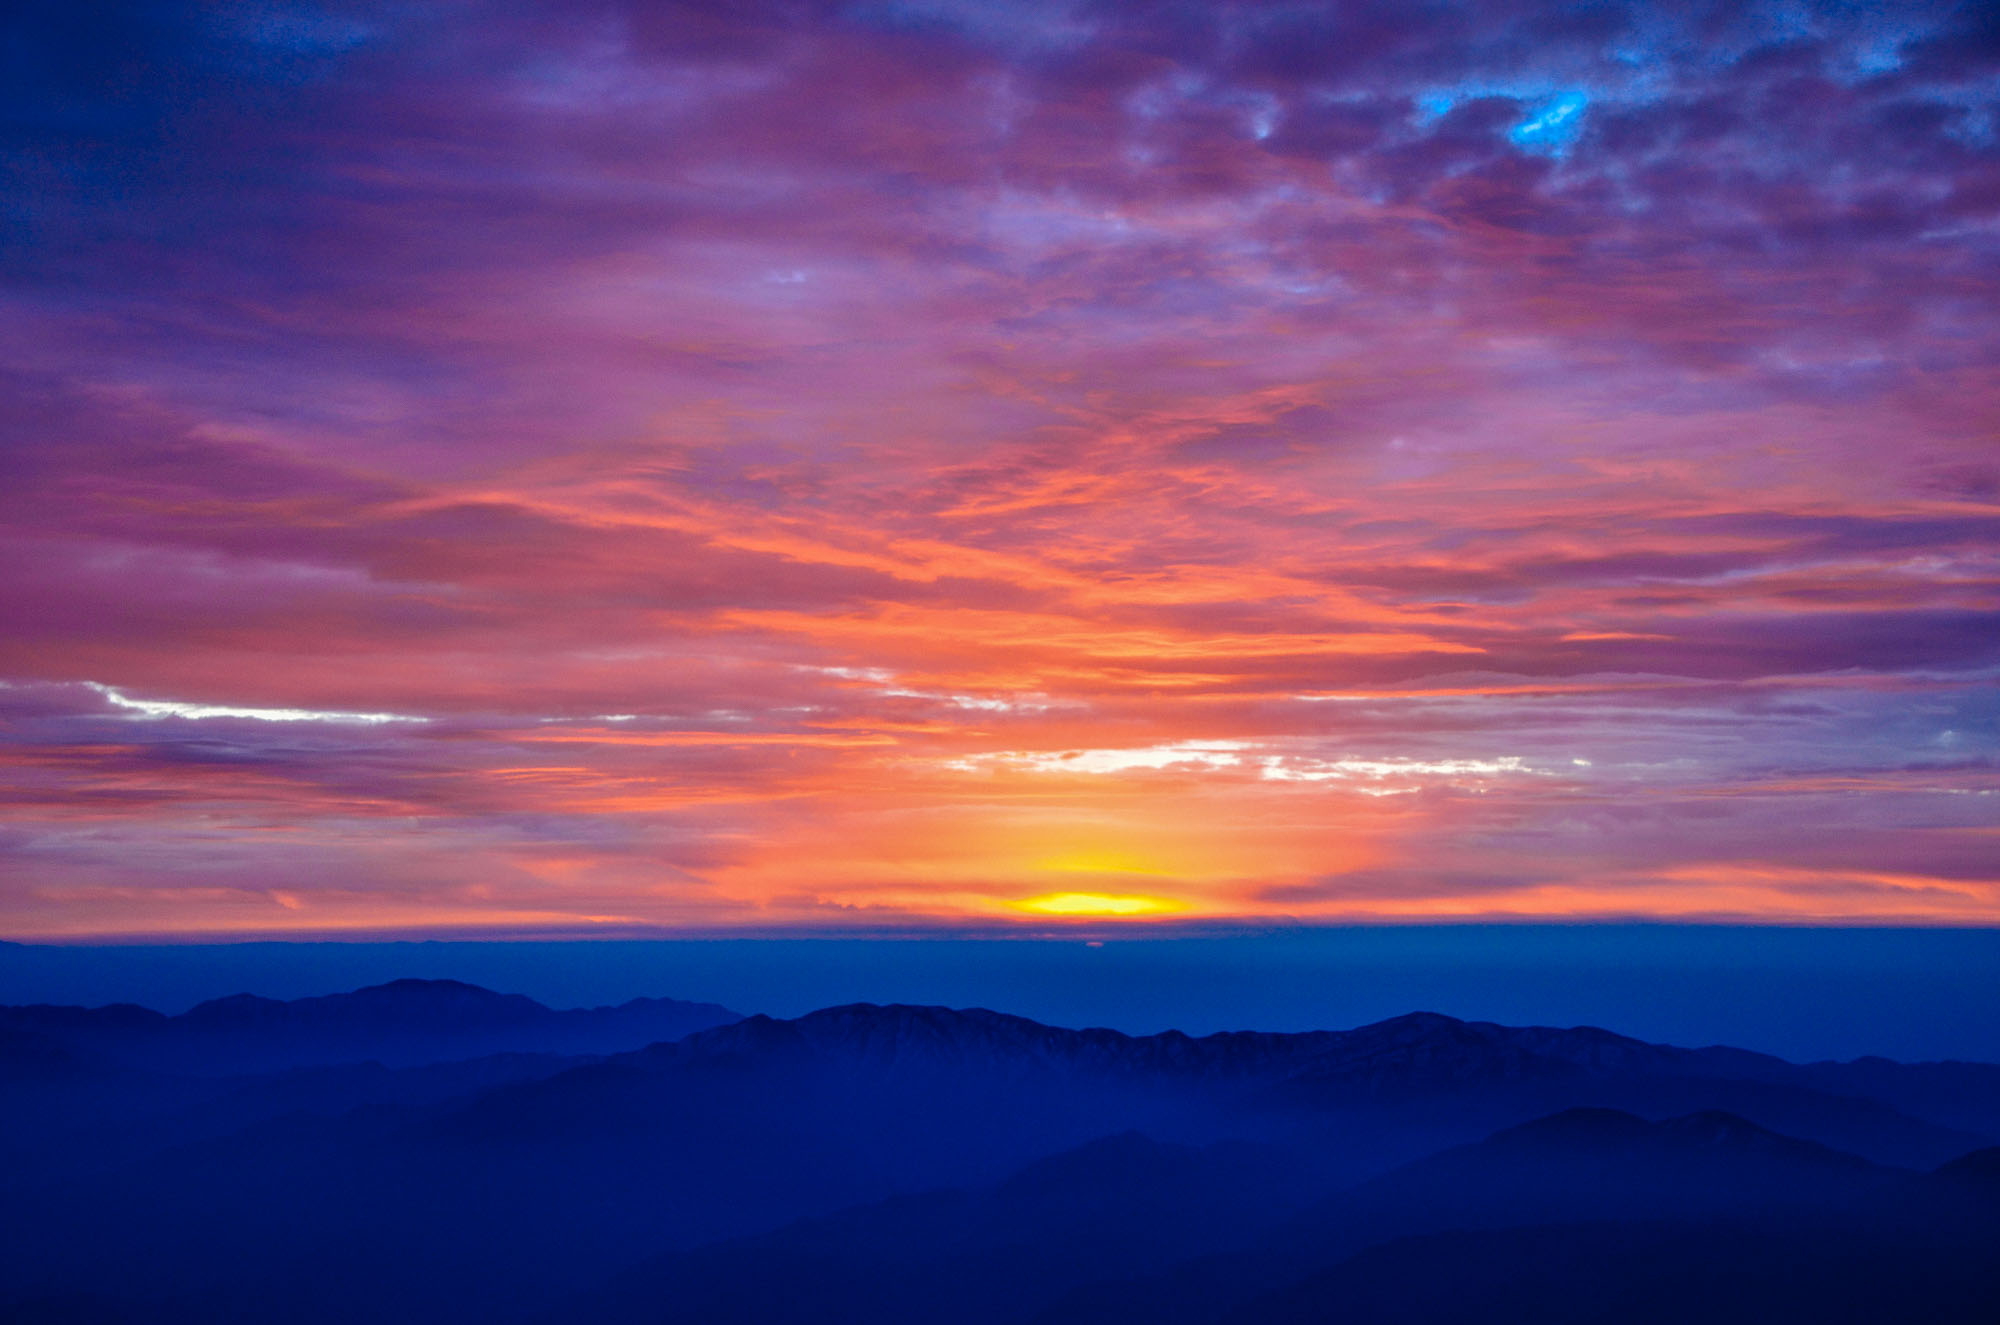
point(1098, 904)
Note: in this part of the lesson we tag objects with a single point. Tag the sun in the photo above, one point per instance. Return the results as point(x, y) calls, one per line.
point(1099, 904)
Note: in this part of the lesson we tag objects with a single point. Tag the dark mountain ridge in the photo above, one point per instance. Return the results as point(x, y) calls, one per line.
point(1434, 1077)
point(1583, 1177)
point(1129, 1229)
point(1747, 1233)
point(1421, 1049)
point(1120, 1205)
point(402, 1023)
point(512, 1179)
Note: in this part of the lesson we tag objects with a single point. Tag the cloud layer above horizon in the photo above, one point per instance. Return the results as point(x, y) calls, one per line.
point(505, 467)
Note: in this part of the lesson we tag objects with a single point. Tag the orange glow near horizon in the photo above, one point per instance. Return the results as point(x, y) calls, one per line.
point(813, 478)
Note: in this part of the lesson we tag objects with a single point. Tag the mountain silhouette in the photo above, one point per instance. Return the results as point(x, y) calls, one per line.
point(1978, 1170)
point(1649, 1273)
point(428, 1151)
point(1756, 1228)
point(1122, 1204)
point(1582, 1165)
point(1417, 1082)
point(399, 1024)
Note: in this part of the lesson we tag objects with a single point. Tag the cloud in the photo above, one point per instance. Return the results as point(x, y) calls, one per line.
point(949, 441)
point(169, 708)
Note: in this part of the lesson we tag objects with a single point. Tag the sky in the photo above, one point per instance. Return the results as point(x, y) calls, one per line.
point(577, 468)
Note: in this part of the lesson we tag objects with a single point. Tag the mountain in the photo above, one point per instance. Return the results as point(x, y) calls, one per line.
point(87, 1090)
point(1964, 1096)
point(1121, 1205)
point(1448, 1079)
point(1604, 1163)
point(31, 1056)
point(1583, 1165)
point(1979, 1170)
point(1111, 1232)
point(1900, 1247)
point(1648, 1273)
point(943, 1148)
point(1424, 1069)
point(400, 1024)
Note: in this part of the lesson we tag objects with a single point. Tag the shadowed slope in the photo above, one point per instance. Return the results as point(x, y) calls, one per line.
point(1582, 1164)
point(1910, 1247)
point(514, 1184)
point(1117, 1206)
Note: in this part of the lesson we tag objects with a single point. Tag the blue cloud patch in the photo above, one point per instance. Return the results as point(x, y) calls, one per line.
point(1553, 126)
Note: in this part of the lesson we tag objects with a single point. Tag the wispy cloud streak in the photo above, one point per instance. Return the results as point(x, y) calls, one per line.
point(580, 466)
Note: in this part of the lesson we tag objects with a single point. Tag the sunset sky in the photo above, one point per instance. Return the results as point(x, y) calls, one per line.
point(582, 468)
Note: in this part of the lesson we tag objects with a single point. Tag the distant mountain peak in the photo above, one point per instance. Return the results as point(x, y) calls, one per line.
point(1714, 1127)
point(439, 995)
point(398, 1023)
point(1981, 1167)
point(1707, 1132)
point(1583, 1122)
point(396, 998)
point(916, 1016)
point(1415, 1049)
point(1413, 1021)
point(230, 1001)
point(1704, 1127)
point(411, 984)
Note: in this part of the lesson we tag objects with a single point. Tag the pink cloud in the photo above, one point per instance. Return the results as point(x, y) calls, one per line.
point(802, 464)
